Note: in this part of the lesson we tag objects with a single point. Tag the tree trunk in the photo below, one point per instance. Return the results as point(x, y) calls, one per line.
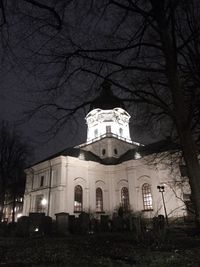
point(2, 199)
point(181, 107)
point(13, 208)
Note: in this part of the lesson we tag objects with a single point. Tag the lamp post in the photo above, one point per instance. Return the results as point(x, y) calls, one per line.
point(44, 203)
point(162, 190)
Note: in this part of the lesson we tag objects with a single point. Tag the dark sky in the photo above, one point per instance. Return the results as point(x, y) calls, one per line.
point(25, 72)
point(14, 103)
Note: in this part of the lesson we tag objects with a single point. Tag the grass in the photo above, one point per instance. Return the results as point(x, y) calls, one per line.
point(100, 250)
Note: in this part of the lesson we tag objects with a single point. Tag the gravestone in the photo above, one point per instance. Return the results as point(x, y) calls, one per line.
point(62, 222)
point(36, 226)
point(23, 224)
point(104, 222)
point(72, 224)
point(84, 222)
point(118, 224)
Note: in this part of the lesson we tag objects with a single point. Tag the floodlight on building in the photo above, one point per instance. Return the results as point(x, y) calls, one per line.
point(19, 215)
point(137, 155)
point(44, 202)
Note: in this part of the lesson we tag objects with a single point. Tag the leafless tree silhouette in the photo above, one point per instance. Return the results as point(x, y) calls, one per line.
point(13, 157)
point(149, 50)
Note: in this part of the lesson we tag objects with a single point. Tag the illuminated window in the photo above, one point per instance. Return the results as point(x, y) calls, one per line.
point(99, 200)
point(42, 181)
point(78, 198)
point(147, 197)
point(38, 203)
point(125, 198)
point(108, 129)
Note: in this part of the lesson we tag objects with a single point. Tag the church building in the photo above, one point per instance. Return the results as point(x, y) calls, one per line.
point(108, 171)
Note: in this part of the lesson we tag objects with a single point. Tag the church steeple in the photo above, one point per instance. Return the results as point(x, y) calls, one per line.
point(106, 99)
point(107, 116)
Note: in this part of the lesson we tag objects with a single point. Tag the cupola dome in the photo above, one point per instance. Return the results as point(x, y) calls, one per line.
point(107, 117)
point(106, 100)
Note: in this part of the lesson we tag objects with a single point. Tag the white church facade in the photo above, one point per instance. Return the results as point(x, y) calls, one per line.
point(107, 172)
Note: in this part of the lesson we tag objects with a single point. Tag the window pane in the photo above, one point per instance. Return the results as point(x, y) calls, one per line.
point(78, 198)
point(42, 181)
point(99, 200)
point(125, 198)
point(95, 133)
point(38, 203)
point(147, 197)
point(108, 129)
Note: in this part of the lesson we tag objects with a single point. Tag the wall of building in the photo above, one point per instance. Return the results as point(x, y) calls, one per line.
point(108, 146)
point(62, 174)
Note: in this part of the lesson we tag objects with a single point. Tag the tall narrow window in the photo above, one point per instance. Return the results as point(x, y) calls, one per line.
point(42, 181)
point(103, 152)
point(99, 200)
point(78, 198)
point(108, 129)
point(147, 197)
point(120, 131)
point(95, 133)
point(38, 203)
point(125, 198)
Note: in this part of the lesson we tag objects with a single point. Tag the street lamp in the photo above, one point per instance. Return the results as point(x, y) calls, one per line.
point(44, 203)
point(162, 190)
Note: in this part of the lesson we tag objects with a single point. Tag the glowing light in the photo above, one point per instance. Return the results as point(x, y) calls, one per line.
point(36, 229)
point(137, 155)
point(19, 215)
point(44, 202)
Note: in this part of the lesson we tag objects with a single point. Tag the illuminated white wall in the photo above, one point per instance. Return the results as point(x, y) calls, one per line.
point(101, 122)
point(132, 174)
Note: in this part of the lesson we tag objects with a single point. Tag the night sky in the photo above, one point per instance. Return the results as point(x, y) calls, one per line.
point(26, 75)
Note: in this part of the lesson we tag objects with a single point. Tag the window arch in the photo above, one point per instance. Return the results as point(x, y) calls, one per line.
point(99, 200)
point(147, 197)
point(78, 198)
point(125, 198)
point(103, 151)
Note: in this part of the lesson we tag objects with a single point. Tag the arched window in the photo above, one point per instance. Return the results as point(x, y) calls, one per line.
point(125, 198)
point(103, 152)
point(99, 200)
point(147, 197)
point(78, 198)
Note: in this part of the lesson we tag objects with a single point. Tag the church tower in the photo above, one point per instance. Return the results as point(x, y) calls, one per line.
point(108, 134)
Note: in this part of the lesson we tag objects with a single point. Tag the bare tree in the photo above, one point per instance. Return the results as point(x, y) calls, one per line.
point(147, 49)
point(14, 154)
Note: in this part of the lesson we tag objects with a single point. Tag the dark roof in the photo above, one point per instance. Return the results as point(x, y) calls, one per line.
point(73, 152)
point(106, 99)
point(158, 147)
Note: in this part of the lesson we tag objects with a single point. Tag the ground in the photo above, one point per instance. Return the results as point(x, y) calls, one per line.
point(101, 250)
